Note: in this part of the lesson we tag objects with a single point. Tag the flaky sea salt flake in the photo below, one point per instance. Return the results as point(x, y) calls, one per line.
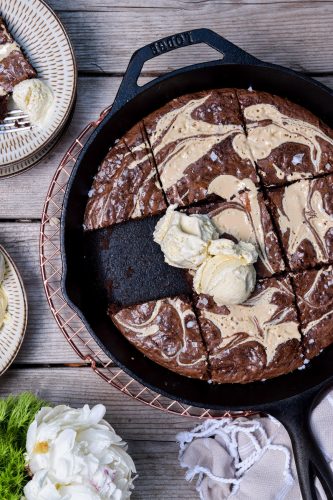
point(213, 156)
point(297, 159)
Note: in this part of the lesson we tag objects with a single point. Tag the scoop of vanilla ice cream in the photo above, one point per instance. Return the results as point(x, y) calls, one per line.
point(227, 274)
point(35, 98)
point(184, 238)
point(245, 252)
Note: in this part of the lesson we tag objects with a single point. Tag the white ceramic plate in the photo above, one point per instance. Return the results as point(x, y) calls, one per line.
point(13, 330)
point(16, 168)
point(44, 40)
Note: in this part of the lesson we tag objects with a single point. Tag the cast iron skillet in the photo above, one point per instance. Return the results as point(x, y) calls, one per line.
point(289, 398)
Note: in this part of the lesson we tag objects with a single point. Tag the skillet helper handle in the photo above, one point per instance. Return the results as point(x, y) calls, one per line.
point(230, 52)
point(310, 461)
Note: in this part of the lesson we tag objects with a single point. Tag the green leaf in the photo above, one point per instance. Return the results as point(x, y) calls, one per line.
point(16, 414)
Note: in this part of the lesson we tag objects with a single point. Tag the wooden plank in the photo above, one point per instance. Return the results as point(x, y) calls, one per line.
point(43, 343)
point(105, 5)
point(150, 433)
point(295, 34)
point(160, 476)
point(22, 197)
point(77, 386)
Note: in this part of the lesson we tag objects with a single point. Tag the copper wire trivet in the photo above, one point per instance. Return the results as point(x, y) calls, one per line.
point(69, 323)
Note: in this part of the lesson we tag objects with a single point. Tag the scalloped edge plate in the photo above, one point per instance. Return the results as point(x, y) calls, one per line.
point(13, 330)
point(45, 41)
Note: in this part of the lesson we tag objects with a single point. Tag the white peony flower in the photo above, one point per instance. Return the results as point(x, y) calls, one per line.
point(41, 487)
point(75, 454)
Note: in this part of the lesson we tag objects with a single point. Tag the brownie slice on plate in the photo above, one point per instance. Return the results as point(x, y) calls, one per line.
point(14, 66)
point(287, 141)
point(303, 213)
point(167, 332)
point(255, 340)
point(195, 139)
point(314, 291)
point(125, 186)
point(246, 218)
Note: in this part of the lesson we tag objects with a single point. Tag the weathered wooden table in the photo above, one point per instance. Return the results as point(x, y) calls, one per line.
point(104, 34)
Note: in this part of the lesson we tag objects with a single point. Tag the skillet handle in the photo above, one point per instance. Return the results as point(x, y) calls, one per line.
point(230, 52)
point(295, 414)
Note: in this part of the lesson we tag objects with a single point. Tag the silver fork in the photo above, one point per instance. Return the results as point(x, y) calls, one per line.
point(15, 121)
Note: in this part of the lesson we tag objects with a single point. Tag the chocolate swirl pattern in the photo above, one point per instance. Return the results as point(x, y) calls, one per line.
point(304, 214)
point(196, 139)
point(191, 139)
point(286, 141)
point(247, 219)
point(14, 66)
point(259, 320)
point(126, 185)
point(259, 338)
point(263, 139)
point(7, 48)
point(315, 301)
point(167, 332)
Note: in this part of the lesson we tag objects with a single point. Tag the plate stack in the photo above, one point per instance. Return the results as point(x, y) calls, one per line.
point(44, 41)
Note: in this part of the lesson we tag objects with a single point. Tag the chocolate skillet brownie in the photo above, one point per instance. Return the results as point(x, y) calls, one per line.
point(167, 332)
point(125, 186)
point(303, 213)
point(195, 139)
point(14, 67)
point(196, 147)
point(255, 340)
point(287, 141)
point(246, 218)
point(314, 293)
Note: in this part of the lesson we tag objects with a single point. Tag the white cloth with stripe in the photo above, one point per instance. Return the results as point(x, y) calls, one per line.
point(245, 459)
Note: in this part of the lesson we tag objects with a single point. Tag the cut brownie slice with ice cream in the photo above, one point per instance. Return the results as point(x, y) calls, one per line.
point(255, 340)
point(14, 66)
point(167, 332)
point(195, 139)
point(286, 140)
point(246, 218)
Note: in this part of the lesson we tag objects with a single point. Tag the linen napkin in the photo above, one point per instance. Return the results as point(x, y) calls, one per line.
point(250, 458)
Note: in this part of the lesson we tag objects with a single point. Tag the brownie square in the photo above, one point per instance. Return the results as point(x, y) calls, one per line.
point(314, 294)
point(14, 67)
point(126, 185)
point(303, 213)
point(195, 139)
point(287, 141)
point(245, 217)
point(167, 332)
point(255, 340)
